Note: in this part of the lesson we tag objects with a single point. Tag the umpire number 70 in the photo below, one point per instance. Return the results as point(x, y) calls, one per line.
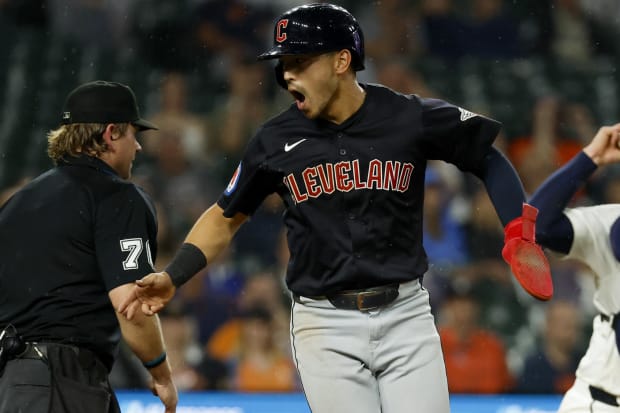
point(135, 246)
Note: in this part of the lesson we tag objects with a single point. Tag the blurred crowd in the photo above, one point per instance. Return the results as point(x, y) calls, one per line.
point(227, 329)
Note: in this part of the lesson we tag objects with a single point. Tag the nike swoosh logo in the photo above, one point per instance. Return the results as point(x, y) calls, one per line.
point(288, 147)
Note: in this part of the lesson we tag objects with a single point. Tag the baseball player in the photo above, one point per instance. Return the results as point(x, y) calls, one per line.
point(348, 160)
point(590, 235)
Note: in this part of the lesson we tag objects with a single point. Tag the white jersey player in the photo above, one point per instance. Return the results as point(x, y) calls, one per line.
point(590, 235)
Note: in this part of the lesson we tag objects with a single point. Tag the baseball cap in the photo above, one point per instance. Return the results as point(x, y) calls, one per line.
point(103, 102)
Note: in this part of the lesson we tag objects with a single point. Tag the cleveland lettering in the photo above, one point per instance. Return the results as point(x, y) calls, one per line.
point(346, 176)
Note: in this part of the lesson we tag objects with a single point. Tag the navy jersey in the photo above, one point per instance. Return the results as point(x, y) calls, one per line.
point(354, 192)
point(68, 238)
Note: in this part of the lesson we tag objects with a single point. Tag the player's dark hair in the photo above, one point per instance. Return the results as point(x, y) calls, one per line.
point(78, 138)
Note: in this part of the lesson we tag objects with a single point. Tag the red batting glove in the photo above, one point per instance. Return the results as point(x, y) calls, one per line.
point(526, 259)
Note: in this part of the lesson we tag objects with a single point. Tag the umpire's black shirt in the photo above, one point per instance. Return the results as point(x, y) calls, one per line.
point(67, 238)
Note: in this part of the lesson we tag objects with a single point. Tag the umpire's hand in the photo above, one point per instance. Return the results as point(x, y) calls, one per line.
point(151, 293)
point(167, 393)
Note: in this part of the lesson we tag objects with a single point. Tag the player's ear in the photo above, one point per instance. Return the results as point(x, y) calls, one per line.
point(343, 61)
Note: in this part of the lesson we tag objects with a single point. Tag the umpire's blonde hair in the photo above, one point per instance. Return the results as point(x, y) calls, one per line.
point(79, 138)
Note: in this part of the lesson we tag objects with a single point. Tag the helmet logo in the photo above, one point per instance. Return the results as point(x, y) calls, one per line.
point(280, 34)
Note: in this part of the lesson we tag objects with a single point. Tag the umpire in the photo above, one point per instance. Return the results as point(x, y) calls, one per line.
point(74, 240)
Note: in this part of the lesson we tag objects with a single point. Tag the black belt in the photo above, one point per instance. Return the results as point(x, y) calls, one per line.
point(362, 300)
point(34, 351)
point(603, 397)
point(38, 351)
point(615, 322)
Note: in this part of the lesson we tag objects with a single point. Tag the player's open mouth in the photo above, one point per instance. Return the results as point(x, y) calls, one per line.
point(298, 96)
point(299, 99)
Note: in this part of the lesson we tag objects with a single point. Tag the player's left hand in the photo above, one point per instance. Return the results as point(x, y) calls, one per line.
point(526, 258)
point(150, 294)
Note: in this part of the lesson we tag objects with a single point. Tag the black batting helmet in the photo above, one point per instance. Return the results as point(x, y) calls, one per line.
point(317, 28)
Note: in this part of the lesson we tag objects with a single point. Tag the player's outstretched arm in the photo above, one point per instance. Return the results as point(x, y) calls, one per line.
point(209, 236)
point(554, 230)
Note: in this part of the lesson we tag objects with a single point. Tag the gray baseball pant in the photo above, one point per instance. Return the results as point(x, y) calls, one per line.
point(387, 360)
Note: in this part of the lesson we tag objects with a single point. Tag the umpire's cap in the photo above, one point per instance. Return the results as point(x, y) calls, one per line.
point(103, 102)
point(317, 28)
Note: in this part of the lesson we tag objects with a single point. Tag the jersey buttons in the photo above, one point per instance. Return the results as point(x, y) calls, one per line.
point(342, 151)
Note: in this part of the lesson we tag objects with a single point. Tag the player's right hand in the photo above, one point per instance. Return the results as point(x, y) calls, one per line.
point(150, 294)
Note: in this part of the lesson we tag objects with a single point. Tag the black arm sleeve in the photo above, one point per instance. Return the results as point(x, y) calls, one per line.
point(503, 185)
point(553, 228)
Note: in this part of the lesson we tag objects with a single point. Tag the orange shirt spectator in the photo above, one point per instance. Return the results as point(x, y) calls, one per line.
point(263, 290)
point(261, 364)
point(224, 343)
point(476, 365)
point(475, 358)
point(275, 375)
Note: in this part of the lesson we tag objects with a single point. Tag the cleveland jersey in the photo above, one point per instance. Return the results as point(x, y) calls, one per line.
point(75, 233)
point(354, 192)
